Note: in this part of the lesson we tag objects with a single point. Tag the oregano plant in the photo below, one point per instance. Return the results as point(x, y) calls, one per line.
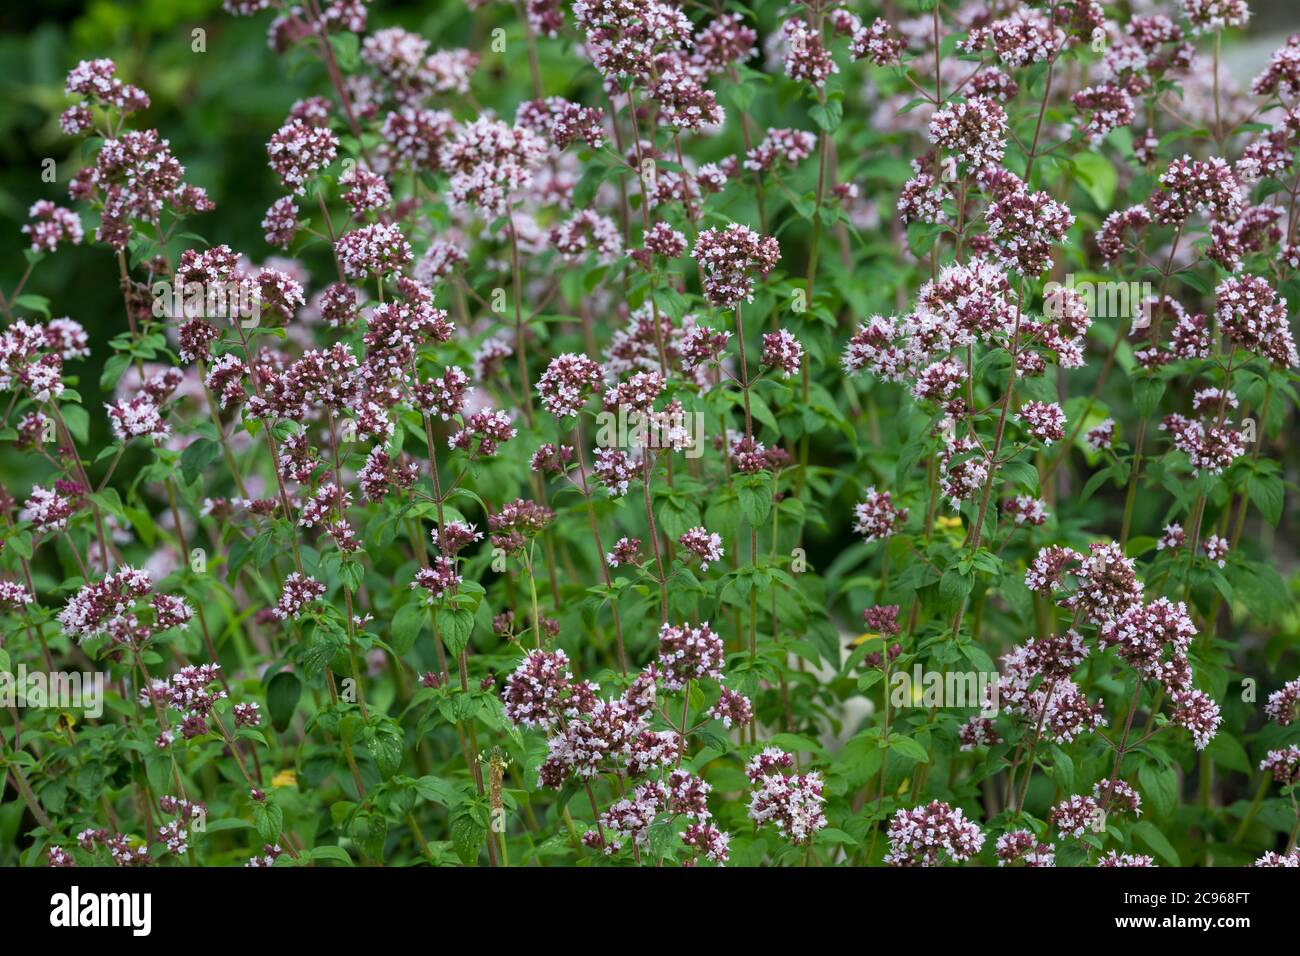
point(663, 434)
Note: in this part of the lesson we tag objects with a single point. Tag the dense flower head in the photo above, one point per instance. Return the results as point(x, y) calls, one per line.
point(806, 59)
point(614, 469)
point(97, 81)
point(489, 428)
point(1209, 15)
point(563, 121)
point(877, 43)
point(1190, 186)
point(683, 103)
point(732, 708)
point(689, 653)
point(625, 552)
point(1282, 75)
point(881, 618)
point(1025, 226)
point(414, 137)
point(1283, 705)
point(1211, 448)
point(729, 259)
point(876, 517)
point(791, 802)
point(298, 151)
point(1076, 815)
point(1198, 713)
point(372, 250)
point(536, 692)
point(788, 146)
point(587, 232)
point(974, 130)
point(1153, 639)
point(782, 352)
point(1251, 314)
point(1109, 106)
point(490, 161)
point(1116, 230)
point(567, 382)
point(1116, 858)
point(978, 732)
point(299, 591)
point(1026, 36)
point(517, 520)
point(724, 41)
point(1283, 764)
point(110, 607)
point(1044, 421)
point(922, 836)
point(1117, 796)
point(1107, 583)
point(47, 509)
point(710, 842)
point(1021, 846)
point(135, 177)
point(51, 226)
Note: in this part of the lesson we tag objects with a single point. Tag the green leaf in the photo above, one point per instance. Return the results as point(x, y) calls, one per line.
point(921, 237)
point(346, 50)
point(1160, 788)
point(827, 115)
point(677, 514)
point(1020, 474)
point(322, 645)
point(113, 369)
point(1262, 590)
point(335, 854)
point(909, 748)
point(269, 820)
point(1098, 178)
point(407, 622)
point(158, 768)
point(1096, 481)
point(953, 589)
point(282, 696)
point(755, 503)
point(1157, 841)
point(384, 741)
point(37, 303)
point(78, 421)
point(1226, 751)
point(1266, 493)
point(22, 544)
point(1147, 393)
point(467, 836)
point(455, 627)
point(437, 790)
point(197, 455)
point(1062, 769)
